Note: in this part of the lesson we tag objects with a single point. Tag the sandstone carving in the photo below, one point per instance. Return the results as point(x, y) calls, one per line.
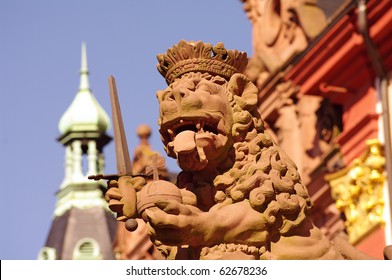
point(241, 196)
point(281, 29)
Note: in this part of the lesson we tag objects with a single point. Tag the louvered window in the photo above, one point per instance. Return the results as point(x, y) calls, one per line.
point(87, 249)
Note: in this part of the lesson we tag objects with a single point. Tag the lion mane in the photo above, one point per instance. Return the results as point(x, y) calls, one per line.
point(262, 173)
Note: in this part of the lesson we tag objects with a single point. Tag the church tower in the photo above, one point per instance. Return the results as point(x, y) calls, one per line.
point(83, 227)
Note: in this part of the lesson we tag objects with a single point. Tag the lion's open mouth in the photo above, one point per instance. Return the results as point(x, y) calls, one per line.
point(213, 123)
point(195, 126)
point(194, 141)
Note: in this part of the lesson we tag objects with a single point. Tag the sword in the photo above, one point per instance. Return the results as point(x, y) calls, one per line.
point(123, 161)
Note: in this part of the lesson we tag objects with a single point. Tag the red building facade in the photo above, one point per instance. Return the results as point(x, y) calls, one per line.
point(325, 98)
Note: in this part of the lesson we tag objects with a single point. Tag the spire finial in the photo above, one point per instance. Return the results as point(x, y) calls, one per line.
point(84, 83)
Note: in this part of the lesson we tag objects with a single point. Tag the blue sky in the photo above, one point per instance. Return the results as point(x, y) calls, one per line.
point(40, 44)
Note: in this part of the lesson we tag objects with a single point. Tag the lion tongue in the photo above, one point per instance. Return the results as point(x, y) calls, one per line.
point(185, 142)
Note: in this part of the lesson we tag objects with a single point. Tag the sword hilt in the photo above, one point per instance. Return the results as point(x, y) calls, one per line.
point(109, 177)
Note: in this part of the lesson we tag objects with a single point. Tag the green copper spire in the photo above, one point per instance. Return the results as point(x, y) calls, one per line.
point(85, 113)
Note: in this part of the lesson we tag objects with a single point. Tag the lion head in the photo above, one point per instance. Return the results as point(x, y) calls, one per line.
point(195, 120)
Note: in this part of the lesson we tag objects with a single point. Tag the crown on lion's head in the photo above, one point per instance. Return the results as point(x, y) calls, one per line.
point(201, 57)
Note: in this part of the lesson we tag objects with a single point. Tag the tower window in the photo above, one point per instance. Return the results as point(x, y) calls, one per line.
point(47, 253)
point(87, 249)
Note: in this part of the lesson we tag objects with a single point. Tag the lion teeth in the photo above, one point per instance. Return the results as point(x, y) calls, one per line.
point(171, 133)
point(202, 155)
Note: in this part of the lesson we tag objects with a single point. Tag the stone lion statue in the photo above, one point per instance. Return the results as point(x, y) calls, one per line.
point(239, 195)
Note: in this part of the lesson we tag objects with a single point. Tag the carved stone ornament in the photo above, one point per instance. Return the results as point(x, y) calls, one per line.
point(281, 29)
point(359, 192)
point(241, 196)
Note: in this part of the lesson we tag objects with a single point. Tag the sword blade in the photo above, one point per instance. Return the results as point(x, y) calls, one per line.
point(123, 161)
